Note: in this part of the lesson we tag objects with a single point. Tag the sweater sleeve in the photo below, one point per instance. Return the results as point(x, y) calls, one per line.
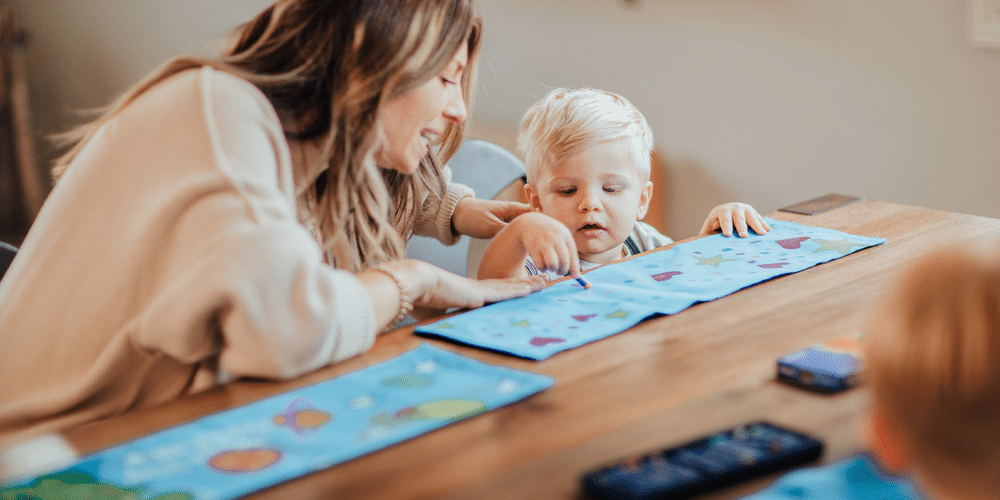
point(434, 219)
point(250, 271)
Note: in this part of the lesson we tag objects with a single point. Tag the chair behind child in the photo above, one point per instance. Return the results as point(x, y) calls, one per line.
point(488, 169)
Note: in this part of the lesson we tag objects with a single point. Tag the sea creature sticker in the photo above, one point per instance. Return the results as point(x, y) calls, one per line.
point(301, 417)
point(243, 461)
point(443, 409)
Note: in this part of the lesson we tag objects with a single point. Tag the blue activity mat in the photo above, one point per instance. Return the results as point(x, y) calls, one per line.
point(564, 315)
point(245, 449)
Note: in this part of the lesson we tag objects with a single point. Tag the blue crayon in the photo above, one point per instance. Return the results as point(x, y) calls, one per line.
point(583, 282)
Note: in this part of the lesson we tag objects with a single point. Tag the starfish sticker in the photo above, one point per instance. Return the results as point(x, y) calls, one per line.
point(714, 261)
point(842, 245)
point(621, 314)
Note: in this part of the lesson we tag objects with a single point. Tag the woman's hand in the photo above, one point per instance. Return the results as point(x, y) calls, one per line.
point(444, 289)
point(430, 287)
point(484, 218)
point(734, 215)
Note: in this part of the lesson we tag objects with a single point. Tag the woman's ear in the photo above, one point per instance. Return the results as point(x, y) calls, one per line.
point(887, 444)
point(531, 194)
point(645, 196)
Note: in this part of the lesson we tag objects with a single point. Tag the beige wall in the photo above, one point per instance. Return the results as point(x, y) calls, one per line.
point(83, 53)
point(772, 101)
point(765, 101)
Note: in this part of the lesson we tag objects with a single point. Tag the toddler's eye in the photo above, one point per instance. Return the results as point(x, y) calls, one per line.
point(612, 189)
point(567, 191)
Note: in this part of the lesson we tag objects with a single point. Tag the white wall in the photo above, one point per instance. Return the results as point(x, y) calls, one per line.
point(765, 101)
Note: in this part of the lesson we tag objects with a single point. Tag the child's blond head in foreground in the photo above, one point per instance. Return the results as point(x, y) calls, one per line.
point(933, 357)
point(565, 122)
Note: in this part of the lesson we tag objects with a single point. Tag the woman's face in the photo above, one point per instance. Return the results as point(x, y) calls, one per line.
point(414, 120)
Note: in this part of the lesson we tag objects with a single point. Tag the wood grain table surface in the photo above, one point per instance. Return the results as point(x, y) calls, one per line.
point(659, 383)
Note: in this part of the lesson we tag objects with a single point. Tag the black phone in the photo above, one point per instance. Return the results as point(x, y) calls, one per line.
point(705, 464)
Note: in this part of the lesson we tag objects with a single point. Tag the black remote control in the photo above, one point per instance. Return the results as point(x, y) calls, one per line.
point(712, 462)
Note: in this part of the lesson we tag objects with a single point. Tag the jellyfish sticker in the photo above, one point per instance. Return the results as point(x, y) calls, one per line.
point(301, 417)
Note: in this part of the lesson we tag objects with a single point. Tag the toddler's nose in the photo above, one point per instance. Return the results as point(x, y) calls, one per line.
point(590, 202)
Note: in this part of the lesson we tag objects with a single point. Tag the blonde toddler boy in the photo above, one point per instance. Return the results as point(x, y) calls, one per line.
point(587, 154)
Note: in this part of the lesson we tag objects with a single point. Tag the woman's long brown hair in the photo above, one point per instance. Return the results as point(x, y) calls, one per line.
point(327, 67)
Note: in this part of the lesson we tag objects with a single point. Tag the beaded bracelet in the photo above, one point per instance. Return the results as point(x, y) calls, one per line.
point(406, 303)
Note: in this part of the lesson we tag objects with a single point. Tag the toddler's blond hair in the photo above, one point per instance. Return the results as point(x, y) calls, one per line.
point(933, 358)
point(565, 122)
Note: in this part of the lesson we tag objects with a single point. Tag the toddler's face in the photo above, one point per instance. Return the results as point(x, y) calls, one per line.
point(598, 194)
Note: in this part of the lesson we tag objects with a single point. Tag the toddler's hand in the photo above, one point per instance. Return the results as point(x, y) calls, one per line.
point(734, 215)
point(548, 242)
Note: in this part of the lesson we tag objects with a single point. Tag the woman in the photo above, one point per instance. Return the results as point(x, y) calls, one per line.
point(185, 239)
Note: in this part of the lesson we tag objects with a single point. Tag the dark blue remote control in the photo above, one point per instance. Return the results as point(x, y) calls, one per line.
point(722, 459)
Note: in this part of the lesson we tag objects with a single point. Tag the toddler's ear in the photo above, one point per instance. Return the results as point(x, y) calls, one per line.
point(645, 196)
point(531, 194)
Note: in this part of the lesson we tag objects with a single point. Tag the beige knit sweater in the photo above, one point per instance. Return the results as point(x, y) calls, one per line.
point(171, 257)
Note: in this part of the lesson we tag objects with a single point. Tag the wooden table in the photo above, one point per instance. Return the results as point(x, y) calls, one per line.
point(662, 382)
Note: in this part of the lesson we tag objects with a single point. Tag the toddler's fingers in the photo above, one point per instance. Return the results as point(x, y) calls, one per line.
point(741, 223)
point(562, 259)
point(759, 225)
point(574, 265)
point(726, 224)
point(708, 226)
point(550, 259)
point(572, 257)
point(568, 257)
point(563, 263)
